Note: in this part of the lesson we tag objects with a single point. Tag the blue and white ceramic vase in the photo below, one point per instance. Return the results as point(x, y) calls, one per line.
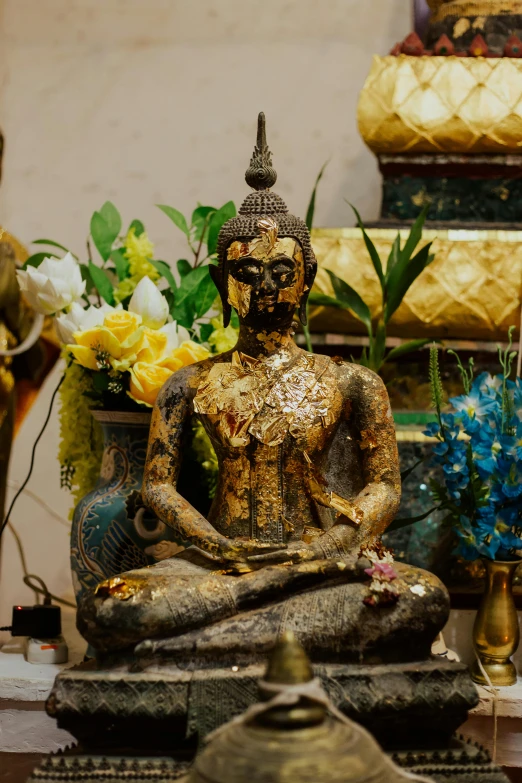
point(112, 531)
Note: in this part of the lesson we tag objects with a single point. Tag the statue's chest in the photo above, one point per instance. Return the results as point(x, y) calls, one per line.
point(246, 401)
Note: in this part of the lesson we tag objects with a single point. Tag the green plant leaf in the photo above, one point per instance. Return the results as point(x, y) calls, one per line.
point(102, 236)
point(393, 258)
point(378, 347)
point(348, 297)
point(102, 283)
point(217, 220)
point(166, 272)
point(407, 473)
point(195, 296)
point(36, 259)
point(205, 330)
point(401, 522)
point(138, 227)
point(234, 319)
point(86, 275)
point(363, 359)
point(205, 295)
point(100, 381)
point(323, 300)
point(177, 218)
point(112, 217)
point(183, 267)
point(200, 220)
point(184, 313)
point(309, 220)
point(411, 345)
point(121, 264)
point(402, 277)
point(415, 234)
point(51, 243)
point(372, 250)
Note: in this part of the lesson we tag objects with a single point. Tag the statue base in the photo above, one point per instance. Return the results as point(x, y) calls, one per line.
point(164, 709)
point(147, 724)
point(462, 762)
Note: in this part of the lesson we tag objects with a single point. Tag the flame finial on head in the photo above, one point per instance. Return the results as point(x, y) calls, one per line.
point(261, 175)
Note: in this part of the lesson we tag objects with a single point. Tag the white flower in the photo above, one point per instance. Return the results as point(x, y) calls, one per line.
point(53, 286)
point(148, 301)
point(175, 336)
point(78, 319)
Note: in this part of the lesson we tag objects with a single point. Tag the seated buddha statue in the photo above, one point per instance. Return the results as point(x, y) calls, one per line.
point(308, 481)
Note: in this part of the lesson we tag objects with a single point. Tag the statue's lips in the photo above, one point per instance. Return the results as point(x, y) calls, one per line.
point(266, 301)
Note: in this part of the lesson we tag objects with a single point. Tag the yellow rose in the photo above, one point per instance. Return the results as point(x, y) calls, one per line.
point(171, 363)
point(189, 352)
point(122, 323)
point(146, 380)
point(95, 347)
point(152, 346)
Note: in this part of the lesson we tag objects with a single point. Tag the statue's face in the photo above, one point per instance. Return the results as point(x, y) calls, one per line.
point(265, 279)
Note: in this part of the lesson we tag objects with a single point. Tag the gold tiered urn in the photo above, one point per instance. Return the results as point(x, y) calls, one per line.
point(444, 118)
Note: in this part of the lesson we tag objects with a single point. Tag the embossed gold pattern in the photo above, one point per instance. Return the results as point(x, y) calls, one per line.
point(471, 290)
point(444, 8)
point(442, 104)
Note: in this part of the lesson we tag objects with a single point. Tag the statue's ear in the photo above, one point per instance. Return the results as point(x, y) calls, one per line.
point(215, 274)
point(310, 272)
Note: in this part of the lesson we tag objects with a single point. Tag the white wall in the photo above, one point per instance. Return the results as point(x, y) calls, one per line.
point(155, 101)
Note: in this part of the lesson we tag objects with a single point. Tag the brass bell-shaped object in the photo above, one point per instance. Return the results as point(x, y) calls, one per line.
point(290, 736)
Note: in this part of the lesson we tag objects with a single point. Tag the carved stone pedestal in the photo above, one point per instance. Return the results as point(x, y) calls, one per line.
point(146, 725)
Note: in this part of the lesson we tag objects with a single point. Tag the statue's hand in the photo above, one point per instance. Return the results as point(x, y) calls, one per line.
point(234, 549)
point(297, 552)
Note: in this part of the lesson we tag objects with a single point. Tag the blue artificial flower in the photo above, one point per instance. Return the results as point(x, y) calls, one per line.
point(432, 429)
point(475, 404)
point(493, 532)
point(451, 426)
point(512, 485)
point(468, 544)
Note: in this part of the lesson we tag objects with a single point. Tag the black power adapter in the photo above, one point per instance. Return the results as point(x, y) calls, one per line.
point(42, 621)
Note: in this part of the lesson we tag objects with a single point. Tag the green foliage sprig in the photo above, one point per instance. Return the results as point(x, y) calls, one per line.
point(110, 277)
point(402, 269)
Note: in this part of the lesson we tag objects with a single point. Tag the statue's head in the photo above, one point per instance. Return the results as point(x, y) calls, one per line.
point(266, 263)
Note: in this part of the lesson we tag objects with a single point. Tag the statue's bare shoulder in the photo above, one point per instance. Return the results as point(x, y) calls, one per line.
point(182, 386)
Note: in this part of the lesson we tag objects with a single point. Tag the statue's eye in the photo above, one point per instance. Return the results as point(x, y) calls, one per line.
point(283, 272)
point(249, 269)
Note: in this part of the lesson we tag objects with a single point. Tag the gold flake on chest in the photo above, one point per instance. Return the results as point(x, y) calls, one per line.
point(251, 398)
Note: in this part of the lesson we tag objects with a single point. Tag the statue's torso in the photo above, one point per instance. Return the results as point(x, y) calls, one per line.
point(262, 418)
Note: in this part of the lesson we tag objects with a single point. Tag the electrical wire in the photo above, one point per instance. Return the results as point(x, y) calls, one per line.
point(13, 484)
point(33, 453)
point(28, 579)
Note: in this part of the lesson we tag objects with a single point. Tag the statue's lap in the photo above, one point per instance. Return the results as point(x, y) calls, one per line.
point(187, 609)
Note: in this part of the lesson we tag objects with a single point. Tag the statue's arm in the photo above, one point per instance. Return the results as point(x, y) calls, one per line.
point(170, 419)
point(377, 503)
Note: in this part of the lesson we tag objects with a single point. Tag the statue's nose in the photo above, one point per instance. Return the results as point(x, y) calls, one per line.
point(268, 284)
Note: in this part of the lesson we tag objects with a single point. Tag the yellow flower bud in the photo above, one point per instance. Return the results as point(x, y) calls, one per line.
point(146, 380)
